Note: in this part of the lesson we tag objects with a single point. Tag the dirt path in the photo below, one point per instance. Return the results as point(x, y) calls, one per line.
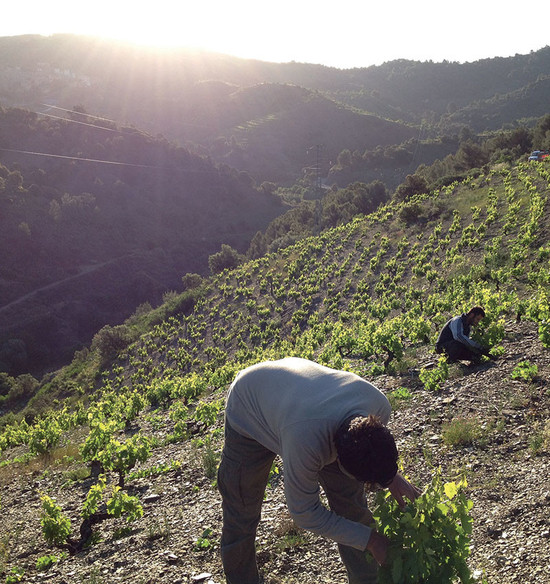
point(82, 272)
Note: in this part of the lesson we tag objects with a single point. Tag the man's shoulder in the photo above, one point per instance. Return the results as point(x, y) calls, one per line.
point(459, 318)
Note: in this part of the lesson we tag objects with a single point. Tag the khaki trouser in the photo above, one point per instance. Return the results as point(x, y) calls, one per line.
point(242, 479)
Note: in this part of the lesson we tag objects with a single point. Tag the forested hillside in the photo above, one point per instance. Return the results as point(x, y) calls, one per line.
point(264, 117)
point(96, 219)
point(146, 398)
point(170, 154)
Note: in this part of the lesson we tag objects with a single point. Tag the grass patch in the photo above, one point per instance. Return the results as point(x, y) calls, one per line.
point(539, 442)
point(461, 432)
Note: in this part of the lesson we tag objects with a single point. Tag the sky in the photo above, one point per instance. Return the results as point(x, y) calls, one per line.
point(343, 34)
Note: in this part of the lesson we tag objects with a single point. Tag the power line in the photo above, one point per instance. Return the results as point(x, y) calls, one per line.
point(98, 161)
point(76, 158)
point(81, 123)
point(76, 112)
point(107, 119)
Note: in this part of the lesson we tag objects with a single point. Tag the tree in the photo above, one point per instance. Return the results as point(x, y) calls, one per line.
point(470, 155)
point(414, 185)
point(191, 280)
point(344, 159)
point(258, 246)
point(541, 134)
point(268, 188)
point(14, 181)
point(226, 258)
point(110, 341)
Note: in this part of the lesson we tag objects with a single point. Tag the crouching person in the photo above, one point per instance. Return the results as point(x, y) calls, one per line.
point(328, 426)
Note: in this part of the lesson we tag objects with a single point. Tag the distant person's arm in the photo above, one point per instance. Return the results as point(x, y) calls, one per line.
point(457, 331)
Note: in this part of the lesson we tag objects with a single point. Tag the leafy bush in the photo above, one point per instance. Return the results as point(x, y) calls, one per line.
point(432, 379)
point(44, 563)
point(56, 526)
point(93, 498)
point(110, 341)
point(525, 371)
point(99, 436)
point(397, 396)
point(226, 258)
point(430, 537)
point(121, 457)
point(44, 435)
point(207, 412)
point(123, 504)
point(16, 575)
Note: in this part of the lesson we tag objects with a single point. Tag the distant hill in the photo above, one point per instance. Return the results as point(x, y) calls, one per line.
point(278, 127)
point(264, 116)
point(520, 105)
point(84, 242)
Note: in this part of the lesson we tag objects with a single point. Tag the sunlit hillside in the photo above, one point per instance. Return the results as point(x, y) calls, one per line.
point(369, 296)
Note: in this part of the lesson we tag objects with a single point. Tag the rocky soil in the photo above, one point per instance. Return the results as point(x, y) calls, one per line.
point(176, 541)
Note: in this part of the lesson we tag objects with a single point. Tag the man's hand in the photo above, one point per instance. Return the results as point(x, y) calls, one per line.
point(378, 546)
point(400, 488)
point(489, 355)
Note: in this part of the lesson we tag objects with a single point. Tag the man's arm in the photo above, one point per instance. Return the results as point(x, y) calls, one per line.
point(378, 547)
point(457, 331)
point(400, 488)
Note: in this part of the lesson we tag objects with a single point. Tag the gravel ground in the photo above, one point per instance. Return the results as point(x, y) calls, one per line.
point(176, 541)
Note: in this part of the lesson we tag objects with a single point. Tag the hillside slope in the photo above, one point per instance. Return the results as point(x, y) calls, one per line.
point(99, 220)
point(182, 505)
point(271, 130)
point(369, 296)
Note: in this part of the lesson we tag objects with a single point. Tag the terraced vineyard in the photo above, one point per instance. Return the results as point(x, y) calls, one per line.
point(145, 402)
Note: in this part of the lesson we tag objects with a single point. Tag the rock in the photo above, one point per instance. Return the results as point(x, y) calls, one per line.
point(201, 577)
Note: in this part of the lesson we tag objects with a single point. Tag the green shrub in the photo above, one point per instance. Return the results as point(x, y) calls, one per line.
point(430, 537)
point(16, 575)
point(226, 258)
point(525, 371)
point(110, 341)
point(56, 526)
point(123, 504)
point(434, 378)
point(44, 563)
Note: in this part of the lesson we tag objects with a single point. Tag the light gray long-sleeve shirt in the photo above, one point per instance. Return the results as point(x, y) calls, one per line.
point(294, 407)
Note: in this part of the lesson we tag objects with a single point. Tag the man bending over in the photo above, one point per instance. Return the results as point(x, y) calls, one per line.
point(328, 426)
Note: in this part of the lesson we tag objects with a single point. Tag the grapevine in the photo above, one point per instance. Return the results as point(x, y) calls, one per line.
point(430, 537)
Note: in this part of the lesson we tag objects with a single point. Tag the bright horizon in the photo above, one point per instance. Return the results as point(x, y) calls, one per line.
point(347, 34)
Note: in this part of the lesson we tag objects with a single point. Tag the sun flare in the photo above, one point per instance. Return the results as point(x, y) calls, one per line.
point(351, 34)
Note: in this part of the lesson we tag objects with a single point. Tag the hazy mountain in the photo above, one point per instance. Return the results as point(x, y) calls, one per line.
point(113, 218)
point(264, 116)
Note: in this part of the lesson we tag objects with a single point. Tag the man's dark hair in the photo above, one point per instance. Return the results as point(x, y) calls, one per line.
point(366, 449)
point(475, 311)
